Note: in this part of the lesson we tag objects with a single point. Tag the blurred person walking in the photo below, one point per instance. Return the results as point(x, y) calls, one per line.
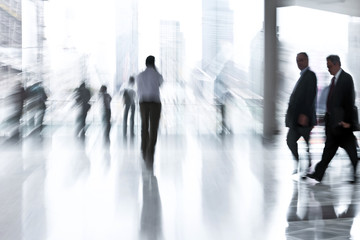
point(82, 98)
point(129, 103)
point(17, 101)
point(42, 105)
point(222, 97)
point(105, 99)
point(340, 119)
point(301, 113)
point(36, 98)
point(148, 84)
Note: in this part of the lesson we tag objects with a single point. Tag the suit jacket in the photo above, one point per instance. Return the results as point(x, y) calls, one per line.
point(303, 100)
point(341, 104)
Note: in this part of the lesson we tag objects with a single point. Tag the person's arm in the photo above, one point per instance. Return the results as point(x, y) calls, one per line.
point(349, 102)
point(308, 100)
point(122, 89)
point(161, 80)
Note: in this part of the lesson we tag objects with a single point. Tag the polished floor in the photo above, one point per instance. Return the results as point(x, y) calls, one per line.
point(56, 187)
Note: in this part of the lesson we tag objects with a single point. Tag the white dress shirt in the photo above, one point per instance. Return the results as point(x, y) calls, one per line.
point(148, 83)
point(337, 75)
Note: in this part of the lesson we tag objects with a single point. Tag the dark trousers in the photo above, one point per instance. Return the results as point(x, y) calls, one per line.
point(81, 122)
point(40, 119)
point(345, 140)
point(223, 121)
point(125, 118)
point(107, 124)
point(293, 136)
point(150, 118)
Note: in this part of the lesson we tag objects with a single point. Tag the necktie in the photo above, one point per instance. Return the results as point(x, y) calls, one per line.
point(331, 90)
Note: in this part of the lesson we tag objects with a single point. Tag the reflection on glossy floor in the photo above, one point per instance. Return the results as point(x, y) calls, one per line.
point(203, 187)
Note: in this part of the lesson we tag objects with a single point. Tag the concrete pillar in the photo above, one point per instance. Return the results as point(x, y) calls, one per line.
point(270, 67)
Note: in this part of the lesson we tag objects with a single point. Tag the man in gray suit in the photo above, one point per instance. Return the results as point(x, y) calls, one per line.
point(301, 113)
point(339, 119)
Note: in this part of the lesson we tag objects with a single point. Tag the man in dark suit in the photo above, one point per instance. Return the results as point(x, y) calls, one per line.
point(301, 113)
point(339, 119)
point(82, 98)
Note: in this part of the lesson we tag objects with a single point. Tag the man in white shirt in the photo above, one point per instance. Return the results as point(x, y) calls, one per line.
point(148, 84)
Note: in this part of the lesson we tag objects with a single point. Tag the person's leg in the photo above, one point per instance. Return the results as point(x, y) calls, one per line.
point(41, 119)
point(227, 122)
point(219, 118)
point(305, 133)
point(17, 124)
point(144, 114)
point(349, 144)
point(223, 119)
point(125, 118)
point(155, 114)
point(84, 128)
point(132, 118)
point(331, 146)
point(108, 126)
point(78, 124)
point(291, 140)
point(81, 123)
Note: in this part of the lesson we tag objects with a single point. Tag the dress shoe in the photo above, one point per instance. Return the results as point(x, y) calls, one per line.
point(354, 180)
point(303, 177)
point(313, 176)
